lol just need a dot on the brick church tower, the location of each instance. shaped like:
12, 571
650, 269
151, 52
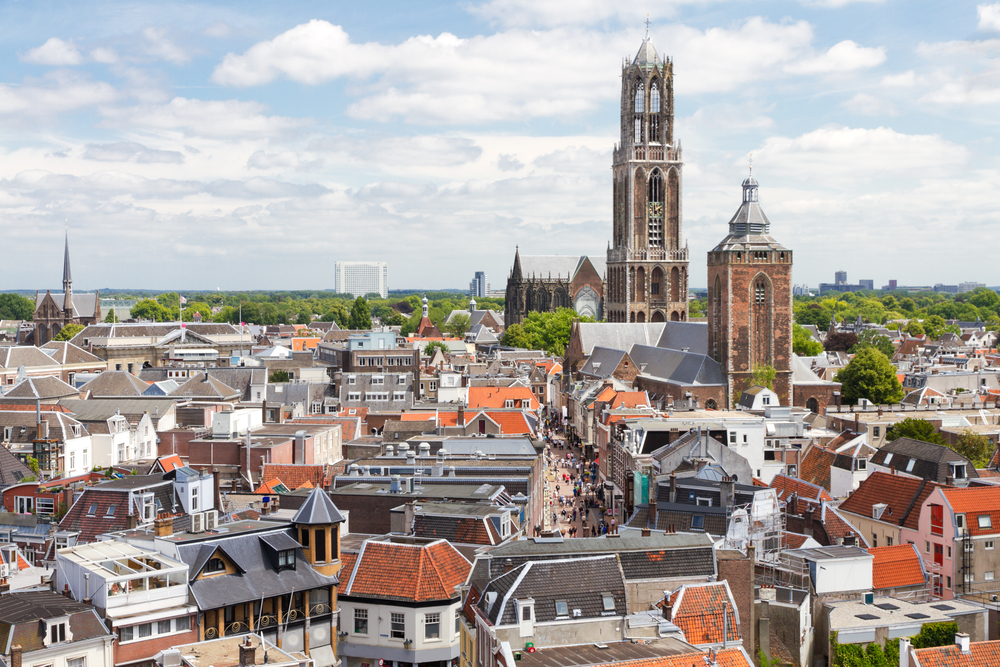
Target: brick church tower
647, 271
750, 301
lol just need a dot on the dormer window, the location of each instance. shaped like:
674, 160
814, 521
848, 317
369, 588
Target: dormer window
509, 403
286, 559
215, 565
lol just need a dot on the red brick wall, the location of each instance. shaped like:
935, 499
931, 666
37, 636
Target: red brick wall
733, 337
703, 394
822, 393
739, 573
177, 440
145, 650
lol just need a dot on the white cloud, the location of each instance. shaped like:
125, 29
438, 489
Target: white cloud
406, 151
442, 79
906, 79
836, 4
838, 155
219, 29
159, 46
54, 52
964, 72
56, 92
864, 104
207, 118
104, 55
846, 56
989, 17
509, 163
130, 151
283, 160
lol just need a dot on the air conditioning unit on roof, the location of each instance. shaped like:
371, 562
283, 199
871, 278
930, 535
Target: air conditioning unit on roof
198, 523
211, 519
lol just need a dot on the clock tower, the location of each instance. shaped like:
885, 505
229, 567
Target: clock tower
647, 272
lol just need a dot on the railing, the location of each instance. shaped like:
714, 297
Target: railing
320, 608
654, 152
293, 615
266, 621
237, 627
211, 632
651, 255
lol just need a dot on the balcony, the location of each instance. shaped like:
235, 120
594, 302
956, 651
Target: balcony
647, 153
650, 255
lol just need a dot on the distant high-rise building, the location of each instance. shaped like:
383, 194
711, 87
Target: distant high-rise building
866, 284
361, 278
892, 285
969, 287
479, 286
840, 278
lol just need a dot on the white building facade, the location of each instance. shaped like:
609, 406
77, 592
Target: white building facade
361, 278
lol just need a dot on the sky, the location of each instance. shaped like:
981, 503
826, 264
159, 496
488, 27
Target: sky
250, 145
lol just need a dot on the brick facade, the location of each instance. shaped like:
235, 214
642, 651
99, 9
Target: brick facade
712, 397
737, 569
815, 397
143, 651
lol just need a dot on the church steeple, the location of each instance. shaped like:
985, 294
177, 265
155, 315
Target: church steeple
67, 280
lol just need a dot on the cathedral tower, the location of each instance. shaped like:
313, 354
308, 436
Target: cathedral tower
750, 301
647, 269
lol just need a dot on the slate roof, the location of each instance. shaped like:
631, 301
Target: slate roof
318, 510
930, 461
64, 352
683, 368
98, 409
204, 385
903, 494
84, 304
418, 571
115, 383
239, 378
618, 335
45, 387
698, 610
579, 581
897, 566
680, 335
259, 576
602, 362
21, 611
12, 471
24, 428
12, 356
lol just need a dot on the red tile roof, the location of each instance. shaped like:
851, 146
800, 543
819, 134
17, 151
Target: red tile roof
981, 654
730, 657
903, 494
697, 609
296, 475
976, 501
630, 399
496, 397
815, 466
416, 417
896, 566
806, 494
411, 572
795, 540
26, 407
836, 526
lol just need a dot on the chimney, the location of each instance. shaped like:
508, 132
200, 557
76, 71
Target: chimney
43, 429
461, 413
15, 655
807, 523
163, 527
673, 488
764, 629
248, 652
962, 642
904, 652
645, 532
508, 565
727, 491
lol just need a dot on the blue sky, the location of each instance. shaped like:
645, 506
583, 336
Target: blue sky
250, 145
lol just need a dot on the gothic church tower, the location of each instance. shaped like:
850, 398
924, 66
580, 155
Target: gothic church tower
647, 272
750, 301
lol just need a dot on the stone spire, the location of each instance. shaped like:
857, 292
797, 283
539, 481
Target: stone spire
67, 281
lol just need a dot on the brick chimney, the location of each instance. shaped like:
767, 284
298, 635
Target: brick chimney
248, 652
163, 526
15, 655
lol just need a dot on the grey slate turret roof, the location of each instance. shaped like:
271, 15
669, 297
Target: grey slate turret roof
317, 510
749, 226
647, 54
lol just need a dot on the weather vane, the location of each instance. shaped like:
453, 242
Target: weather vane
751, 164
647, 25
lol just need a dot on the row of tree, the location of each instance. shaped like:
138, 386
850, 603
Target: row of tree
543, 331
980, 304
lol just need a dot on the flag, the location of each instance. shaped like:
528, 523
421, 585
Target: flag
183, 301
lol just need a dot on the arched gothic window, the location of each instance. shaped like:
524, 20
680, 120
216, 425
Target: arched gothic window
762, 324
637, 126
655, 209
640, 98
654, 98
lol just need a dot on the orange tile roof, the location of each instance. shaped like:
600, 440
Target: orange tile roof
815, 466
976, 501
296, 475
416, 417
836, 526
803, 491
697, 610
730, 657
903, 494
347, 559
795, 540
171, 462
511, 423
981, 654
630, 399
415, 573
496, 397
268, 486
26, 407
896, 566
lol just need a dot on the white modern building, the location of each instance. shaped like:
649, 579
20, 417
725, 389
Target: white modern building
361, 278
480, 286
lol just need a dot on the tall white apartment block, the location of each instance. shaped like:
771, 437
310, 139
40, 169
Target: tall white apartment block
360, 278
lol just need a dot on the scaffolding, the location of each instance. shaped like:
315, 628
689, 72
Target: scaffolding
761, 524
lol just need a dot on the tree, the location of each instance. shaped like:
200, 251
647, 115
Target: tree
278, 376
871, 338
763, 376
550, 331
516, 336
372, 296
68, 331
337, 313
361, 318
171, 302
303, 318
32, 464
993, 323
870, 375
200, 307
934, 326
457, 326
803, 344
435, 345
975, 447
111, 317
839, 342
148, 309
914, 328
915, 429
16, 307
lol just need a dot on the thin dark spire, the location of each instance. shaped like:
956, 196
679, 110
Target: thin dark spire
67, 273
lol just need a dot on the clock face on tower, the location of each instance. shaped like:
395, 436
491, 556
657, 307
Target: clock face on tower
656, 209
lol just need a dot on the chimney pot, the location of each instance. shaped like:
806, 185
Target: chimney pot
15, 655
248, 653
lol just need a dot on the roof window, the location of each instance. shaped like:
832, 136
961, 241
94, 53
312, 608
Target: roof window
609, 601
985, 521
562, 608
92, 511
